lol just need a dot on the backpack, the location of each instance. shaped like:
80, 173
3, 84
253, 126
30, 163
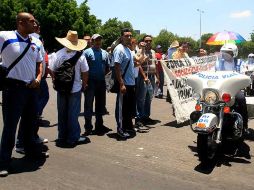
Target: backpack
65, 74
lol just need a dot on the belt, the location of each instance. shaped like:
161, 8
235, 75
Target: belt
15, 83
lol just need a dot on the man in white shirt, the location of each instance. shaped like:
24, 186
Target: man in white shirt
68, 104
43, 97
20, 93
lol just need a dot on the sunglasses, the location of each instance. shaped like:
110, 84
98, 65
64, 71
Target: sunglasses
128, 36
148, 40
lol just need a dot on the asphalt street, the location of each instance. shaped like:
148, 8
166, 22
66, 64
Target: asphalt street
162, 158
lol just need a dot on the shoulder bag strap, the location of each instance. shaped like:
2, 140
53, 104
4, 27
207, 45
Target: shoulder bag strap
125, 70
75, 58
20, 57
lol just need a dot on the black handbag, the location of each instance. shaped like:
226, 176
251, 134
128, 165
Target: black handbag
4, 71
65, 74
116, 86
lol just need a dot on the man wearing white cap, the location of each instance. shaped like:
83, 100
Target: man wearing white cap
98, 62
69, 101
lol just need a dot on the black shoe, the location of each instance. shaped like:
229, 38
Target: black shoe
88, 131
37, 155
4, 169
4, 172
123, 134
101, 130
81, 140
148, 121
20, 150
61, 143
130, 130
139, 126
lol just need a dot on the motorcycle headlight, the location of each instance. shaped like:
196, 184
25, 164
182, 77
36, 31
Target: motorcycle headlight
211, 97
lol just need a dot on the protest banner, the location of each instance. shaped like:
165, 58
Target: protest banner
175, 72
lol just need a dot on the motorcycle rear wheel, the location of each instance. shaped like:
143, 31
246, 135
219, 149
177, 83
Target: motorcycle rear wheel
206, 148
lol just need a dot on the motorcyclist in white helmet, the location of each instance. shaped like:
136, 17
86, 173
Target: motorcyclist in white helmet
228, 62
251, 59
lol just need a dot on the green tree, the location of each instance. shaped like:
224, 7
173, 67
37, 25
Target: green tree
9, 10
252, 36
55, 16
245, 49
165, 38
111, 30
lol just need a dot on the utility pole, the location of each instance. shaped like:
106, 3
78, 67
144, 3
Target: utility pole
200, 23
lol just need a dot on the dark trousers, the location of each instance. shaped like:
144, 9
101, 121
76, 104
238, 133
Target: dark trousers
125, 108
161, 73
240, 107
18, 102
96, 90
43, 97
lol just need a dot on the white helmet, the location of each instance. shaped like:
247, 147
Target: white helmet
230, 47
251, 55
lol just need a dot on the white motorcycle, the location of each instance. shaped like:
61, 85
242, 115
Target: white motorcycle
214, 120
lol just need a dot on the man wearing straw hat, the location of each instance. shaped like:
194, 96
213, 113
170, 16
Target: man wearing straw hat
173, 48
68, 104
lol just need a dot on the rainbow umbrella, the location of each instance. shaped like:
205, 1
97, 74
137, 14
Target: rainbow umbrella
221, 38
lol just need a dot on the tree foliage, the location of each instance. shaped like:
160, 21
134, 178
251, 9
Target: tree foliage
245, 49
56, 17
111, 30
252, 36
165, 38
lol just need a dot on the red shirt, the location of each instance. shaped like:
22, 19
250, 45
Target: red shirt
158, 65
47, 64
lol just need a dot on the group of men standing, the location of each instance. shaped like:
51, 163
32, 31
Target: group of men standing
24, 53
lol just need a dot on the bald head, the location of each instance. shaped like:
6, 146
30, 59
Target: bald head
25, 23
23, 16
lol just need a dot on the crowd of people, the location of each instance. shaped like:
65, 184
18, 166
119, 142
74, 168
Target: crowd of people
83, 64
25, 93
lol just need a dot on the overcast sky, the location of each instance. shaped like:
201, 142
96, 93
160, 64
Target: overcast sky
179, 16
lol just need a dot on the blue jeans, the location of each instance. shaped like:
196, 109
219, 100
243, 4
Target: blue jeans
18, 102
68, 107
43, 96
96, 90
144, 96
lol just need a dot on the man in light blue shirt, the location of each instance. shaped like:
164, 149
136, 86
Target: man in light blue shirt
125, 103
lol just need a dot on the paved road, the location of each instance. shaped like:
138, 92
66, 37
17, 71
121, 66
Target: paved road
164, 158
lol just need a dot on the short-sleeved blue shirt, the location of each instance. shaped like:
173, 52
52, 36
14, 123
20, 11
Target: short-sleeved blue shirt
122, 55
97, 60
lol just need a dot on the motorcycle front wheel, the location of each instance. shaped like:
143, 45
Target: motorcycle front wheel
206, 147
